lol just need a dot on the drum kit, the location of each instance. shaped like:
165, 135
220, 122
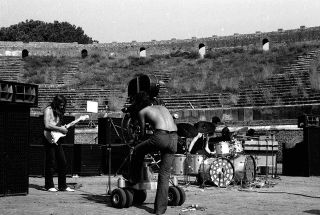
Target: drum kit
228, 165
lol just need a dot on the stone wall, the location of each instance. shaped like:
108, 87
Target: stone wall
244, 116
163, 47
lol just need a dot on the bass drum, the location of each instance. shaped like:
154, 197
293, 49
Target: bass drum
244, 169
218, 171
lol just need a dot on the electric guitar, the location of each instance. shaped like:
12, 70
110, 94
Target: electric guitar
54, 136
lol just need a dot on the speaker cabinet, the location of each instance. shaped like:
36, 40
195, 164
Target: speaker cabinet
14, 142
69, 153
109, 129
304, 158
312, 138
118, 155
36, 160
87, 159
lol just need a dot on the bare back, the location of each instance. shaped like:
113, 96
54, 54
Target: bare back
159, 117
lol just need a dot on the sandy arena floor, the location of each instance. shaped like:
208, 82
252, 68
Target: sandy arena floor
284, 195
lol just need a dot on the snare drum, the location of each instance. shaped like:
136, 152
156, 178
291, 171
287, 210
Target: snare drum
223, 148
193, 163
178, 164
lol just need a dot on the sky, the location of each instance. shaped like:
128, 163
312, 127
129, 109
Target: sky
145, 20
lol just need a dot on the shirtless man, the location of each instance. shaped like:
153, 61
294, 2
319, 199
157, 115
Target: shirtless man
163, 139
55, 156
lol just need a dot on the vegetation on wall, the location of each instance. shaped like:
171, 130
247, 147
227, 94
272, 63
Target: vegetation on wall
315, 74
39, 31
220, 71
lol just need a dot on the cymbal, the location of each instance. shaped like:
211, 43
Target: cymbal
205, 127
186, 130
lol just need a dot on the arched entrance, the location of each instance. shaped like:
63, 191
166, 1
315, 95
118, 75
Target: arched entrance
202, 50
265, 44
25, 53
143, 52
84, 53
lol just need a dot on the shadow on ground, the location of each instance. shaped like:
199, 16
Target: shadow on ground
37, 187
106, 200
317, 212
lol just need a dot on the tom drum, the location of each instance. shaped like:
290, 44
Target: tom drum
193, 163
223, 148
178, 164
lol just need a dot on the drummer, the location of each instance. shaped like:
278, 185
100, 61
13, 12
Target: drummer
205, 130
211, 142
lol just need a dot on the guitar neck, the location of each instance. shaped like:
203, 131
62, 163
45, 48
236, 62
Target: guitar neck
73, 123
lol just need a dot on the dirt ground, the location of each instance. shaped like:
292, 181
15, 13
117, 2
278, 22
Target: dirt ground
283, 195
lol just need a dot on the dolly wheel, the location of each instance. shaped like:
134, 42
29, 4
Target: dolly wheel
118, 198
129, 197
139, 196
182, 195
173, 196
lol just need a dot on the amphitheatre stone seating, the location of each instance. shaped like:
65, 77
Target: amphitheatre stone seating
68, 75
77, 98
290, 86
10, 68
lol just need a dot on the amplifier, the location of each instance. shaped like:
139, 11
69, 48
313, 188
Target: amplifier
87, 159
109, 129
306, 121
304, 158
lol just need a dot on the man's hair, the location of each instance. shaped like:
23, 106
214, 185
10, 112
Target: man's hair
215, 120
55, 105
225, 132
141, 100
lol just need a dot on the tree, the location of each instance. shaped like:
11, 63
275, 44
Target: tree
39, 31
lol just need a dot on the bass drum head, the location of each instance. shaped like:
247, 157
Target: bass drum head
250, 169
244, 168
221, 172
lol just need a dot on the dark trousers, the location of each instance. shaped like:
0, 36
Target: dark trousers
55, 160
167, 145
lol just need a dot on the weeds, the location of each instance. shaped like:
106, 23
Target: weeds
224, 70
315, 74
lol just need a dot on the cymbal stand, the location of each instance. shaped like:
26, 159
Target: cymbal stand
267, 170
275, 171
203, 180
186, 177
272, 163
109, 158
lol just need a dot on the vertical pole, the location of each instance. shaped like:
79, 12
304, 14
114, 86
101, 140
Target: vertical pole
267, 171
109, 155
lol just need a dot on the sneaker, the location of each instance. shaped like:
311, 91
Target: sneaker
68, 189
52, 189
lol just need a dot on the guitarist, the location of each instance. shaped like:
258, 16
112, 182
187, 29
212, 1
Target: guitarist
55, 157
